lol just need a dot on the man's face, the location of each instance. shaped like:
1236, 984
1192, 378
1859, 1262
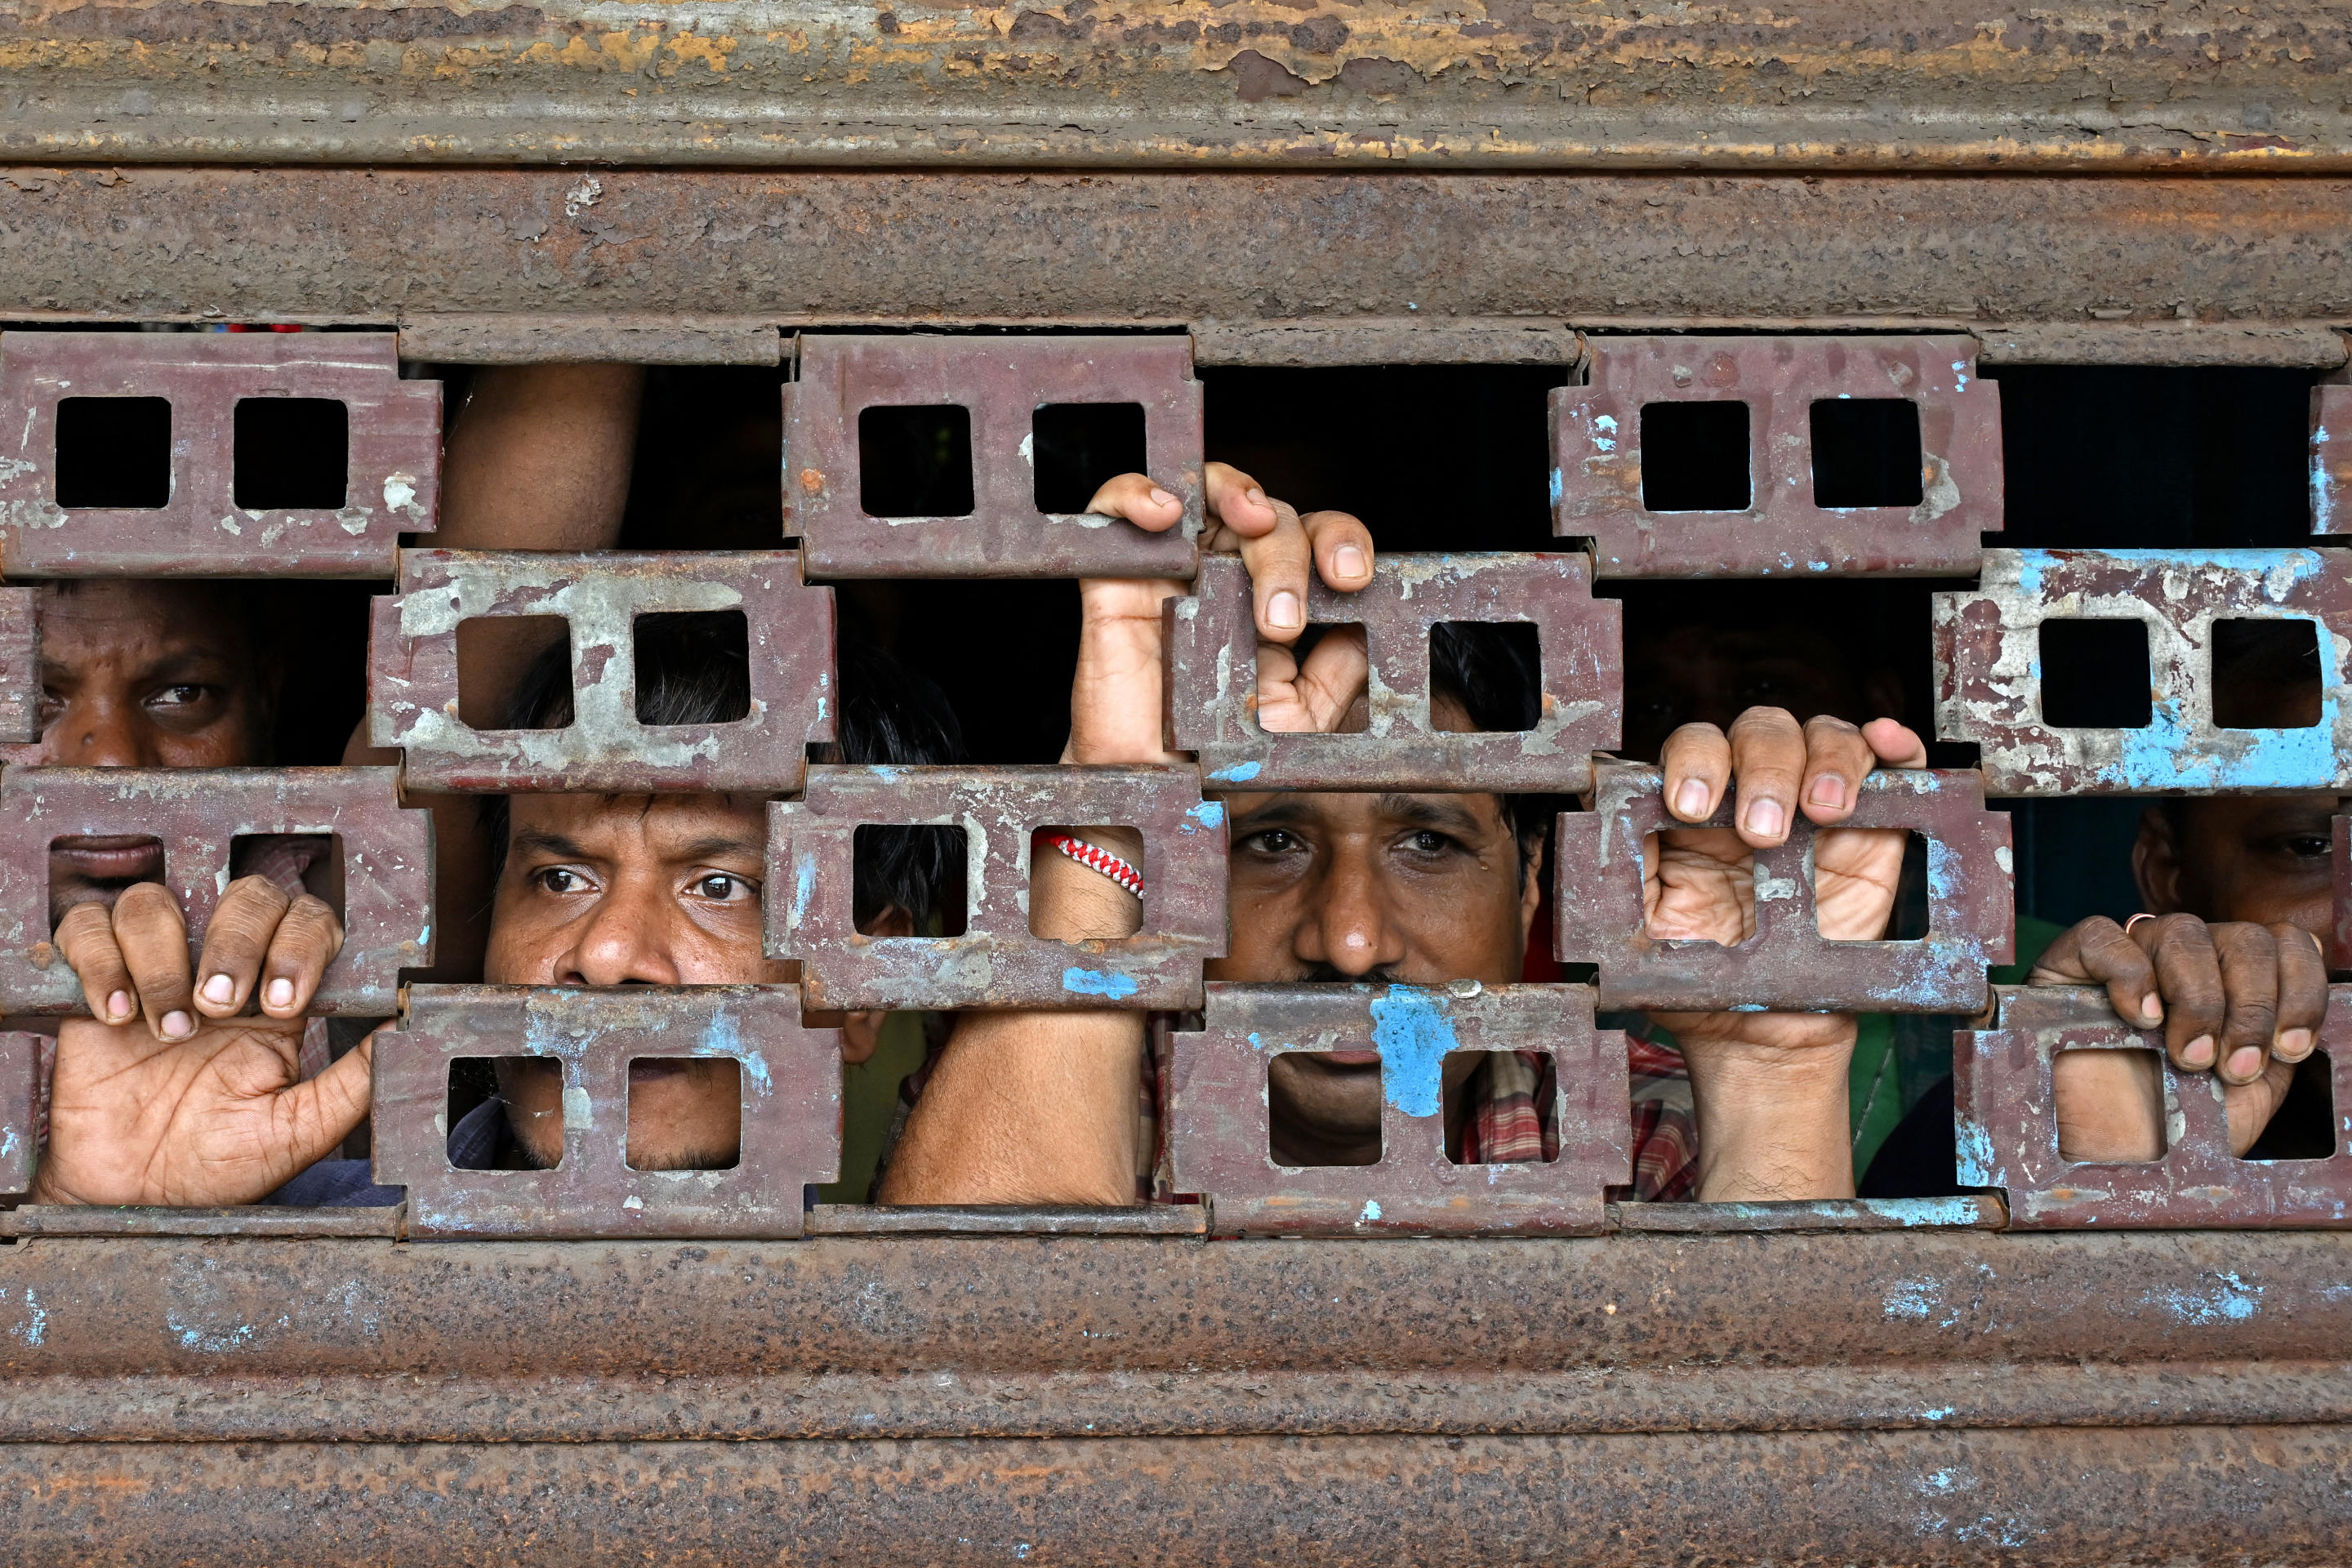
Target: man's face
140, 674
633, 890
2240, 858
1423, 889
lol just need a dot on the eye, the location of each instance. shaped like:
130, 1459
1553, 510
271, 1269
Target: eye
720, 888
178, 697
1429, 841
2310, 846
562, 879
1273, 841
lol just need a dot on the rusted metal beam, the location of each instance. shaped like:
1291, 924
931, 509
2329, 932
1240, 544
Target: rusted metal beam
1631, 252
1833, 84
2274, 1495
114, 1339
461, 339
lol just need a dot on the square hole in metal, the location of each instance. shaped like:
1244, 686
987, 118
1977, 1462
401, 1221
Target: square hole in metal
1075, 446
906, 868
1501, 1108
291, 453
1867, 452
293, 863
1856, 865
488, 1098
915, 460
2115, 1106
1694, 456
115, 452
1082, 849
1323, 1108
686, 1113
95, 871
714, 644
2304, 1127
2095, 675
1299, 685
491, 643
1486, 675
2265, 675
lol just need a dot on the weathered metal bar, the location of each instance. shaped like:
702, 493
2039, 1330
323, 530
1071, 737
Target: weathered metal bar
1972, 1213
2299, 345
1634, 252
1268, 84
1005, 1219
2009, 1134
790, 1132
392, 477
459, 338
253, 1221
1785, 962
198, 814
1610, 457
2331, 458
1411, 340
412, 674
997, 961
1001, 385
20, 665
1211, 656
904, 1337
1990, 679
2073, 1497
1219, 1115
20, 1110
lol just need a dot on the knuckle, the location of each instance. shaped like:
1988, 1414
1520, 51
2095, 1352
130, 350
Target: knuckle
1765, 721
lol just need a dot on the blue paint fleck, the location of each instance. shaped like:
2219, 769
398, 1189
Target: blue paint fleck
1410, 1031
1240, 773
1371, 1212
803, 889
1940, 1414
1911, 1299
1556, 486
1094, 983
2232, 1299
35, 1327
1208, 814
1976, 1168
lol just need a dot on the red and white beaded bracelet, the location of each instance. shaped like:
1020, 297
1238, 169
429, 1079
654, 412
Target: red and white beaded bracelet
1095, 858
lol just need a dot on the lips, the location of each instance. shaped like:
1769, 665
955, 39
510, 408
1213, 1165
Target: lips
111, 859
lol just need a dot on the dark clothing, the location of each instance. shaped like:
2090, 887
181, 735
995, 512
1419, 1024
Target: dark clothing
480, 1141
1920, 1158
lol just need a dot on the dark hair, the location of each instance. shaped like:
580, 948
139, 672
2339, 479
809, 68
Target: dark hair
695, 669
1491, 672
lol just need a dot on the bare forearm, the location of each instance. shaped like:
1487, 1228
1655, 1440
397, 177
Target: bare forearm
1773, 1119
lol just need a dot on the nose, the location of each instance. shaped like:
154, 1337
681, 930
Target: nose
622, 942
1347, 925
99, 734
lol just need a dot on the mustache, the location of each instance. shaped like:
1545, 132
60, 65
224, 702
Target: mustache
1328, 974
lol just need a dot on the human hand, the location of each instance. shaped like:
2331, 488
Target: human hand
1115, 699
133, 959
2240, 1000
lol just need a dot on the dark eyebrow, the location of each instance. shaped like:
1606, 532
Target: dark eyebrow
1440, 811
539, 841
1281, 810
718, 844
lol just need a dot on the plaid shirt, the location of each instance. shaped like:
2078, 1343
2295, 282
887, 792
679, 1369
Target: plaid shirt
1505, 1126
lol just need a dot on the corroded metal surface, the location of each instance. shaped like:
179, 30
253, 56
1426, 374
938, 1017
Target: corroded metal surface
1832, 85
20, 665
1218, 1111
1000, 383
2331, 458
905, 1337
1785, 964
1971, 1212
261, 1220
2003, 1103
1639, 253
2058, 1498
412, 670
1211, 654
1600, 458
1989, 669
1005, 1219
791, 1129
392, 480
997, 962
463, 337
2339, 950
198, 813
20, 1109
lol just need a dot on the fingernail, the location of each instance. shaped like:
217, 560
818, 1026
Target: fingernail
177, 1025
118, 1006
2245, 1062
1162, 497
2200, 1052
1764, 818
1347, 561
2294, 1043
281, 993
1829, 790
1254, 496
1282, 610
1690, 800
219, 988
2151, 1007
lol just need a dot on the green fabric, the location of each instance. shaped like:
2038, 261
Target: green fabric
1886, 1080
869, 1101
